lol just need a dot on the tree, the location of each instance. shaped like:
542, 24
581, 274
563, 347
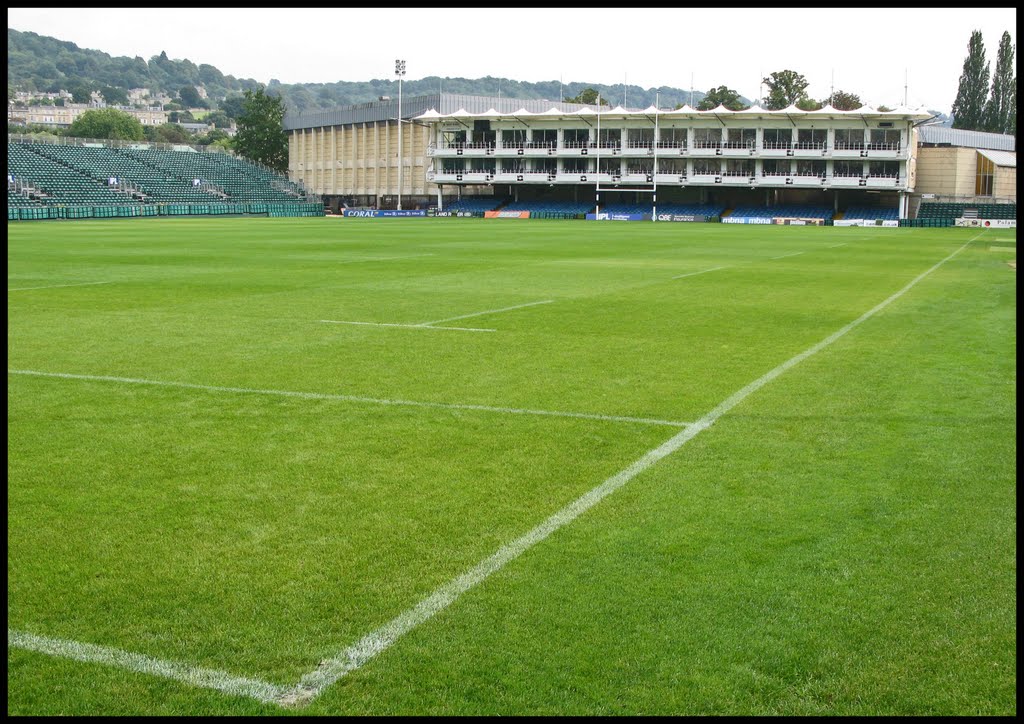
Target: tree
167, 133
233, 106
721, 96
190, 97
211, 136
996, 116
107, 123
588, 96
114, 96
843, 101
785, 88
218, 119
261, 135
80, 91
970, 96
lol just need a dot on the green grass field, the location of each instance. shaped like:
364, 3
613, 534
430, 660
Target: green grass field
216, 482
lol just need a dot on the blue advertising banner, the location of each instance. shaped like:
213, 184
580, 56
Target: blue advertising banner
377, 213
681, 217
604, 216
745, 220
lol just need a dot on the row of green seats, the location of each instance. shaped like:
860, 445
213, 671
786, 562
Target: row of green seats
109, 212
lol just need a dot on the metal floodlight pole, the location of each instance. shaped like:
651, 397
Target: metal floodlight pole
597, 175
654, 175
400, 71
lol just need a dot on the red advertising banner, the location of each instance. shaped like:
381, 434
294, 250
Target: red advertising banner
506, 214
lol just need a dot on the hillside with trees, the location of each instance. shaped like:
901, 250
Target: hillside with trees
43, 64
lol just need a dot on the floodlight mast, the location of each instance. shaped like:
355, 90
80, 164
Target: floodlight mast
400, 71
654, 175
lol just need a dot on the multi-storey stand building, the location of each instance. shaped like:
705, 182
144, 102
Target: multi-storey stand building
471, 145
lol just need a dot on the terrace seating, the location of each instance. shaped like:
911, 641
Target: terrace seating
62, 184
103, 163
557, 208
872, 213
947, 210
241, 181
475, 204
79, 175
794, 211
708, 210
15, 199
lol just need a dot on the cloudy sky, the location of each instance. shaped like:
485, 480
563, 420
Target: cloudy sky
869, 51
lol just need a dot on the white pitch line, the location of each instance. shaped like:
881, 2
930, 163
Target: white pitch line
329, 671
835, 245
352, 398
795, 253
407, 326
206, 678
489, 311
313, 684
693, 274
54, 286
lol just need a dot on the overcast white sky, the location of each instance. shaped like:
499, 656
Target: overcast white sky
866, 51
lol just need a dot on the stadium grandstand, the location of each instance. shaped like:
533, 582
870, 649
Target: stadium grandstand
474, 155
80, 178
484, 156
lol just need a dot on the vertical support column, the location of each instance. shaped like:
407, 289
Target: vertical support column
314, 161
376, 164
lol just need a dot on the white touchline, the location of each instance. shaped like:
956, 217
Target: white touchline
489, 311
835, 245
312, 684
350, 398
693, 274
329, 671
207, 678
407, 326
54, 286
795, 253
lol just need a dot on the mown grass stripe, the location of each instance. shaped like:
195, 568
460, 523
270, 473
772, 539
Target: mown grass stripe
56, 286
376, 642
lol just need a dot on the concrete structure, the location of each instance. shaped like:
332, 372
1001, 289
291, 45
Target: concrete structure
64, 116
479, 145
457, 145
962, 165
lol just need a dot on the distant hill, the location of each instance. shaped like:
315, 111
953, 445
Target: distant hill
40, 63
